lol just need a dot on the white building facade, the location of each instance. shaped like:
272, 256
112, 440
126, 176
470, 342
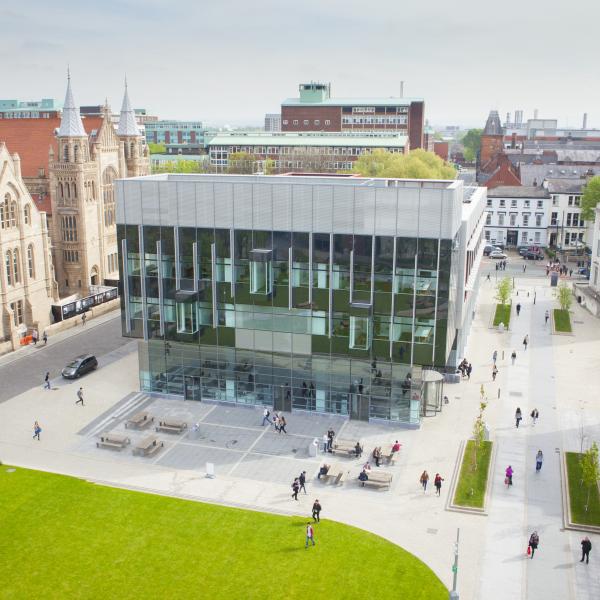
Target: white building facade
566, 228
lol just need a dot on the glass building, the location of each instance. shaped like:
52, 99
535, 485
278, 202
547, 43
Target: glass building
327, 294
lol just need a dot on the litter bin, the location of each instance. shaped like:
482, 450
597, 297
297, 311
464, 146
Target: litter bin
578, 299
553, 279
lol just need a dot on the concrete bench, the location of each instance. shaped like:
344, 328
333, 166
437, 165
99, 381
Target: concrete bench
343, 447
113, 440
148, 446
171, 426
378, 479
140, 420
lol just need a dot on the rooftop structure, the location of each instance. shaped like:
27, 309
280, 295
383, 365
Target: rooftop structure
29, 109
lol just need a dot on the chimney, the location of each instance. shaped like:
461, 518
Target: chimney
584, 121
17, 164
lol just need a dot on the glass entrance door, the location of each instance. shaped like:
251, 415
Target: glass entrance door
192, 388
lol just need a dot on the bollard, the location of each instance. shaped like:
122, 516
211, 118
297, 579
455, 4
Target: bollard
498, 392
502, 354
528, 294
534, 296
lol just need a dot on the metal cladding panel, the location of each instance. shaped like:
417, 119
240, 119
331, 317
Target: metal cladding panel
430, 212
150, 203
364, 210
385, 211
408, 211
452, 210
205, 204
224, 205
186, 203
167, 202
242, 205
302, 207
120, 196
343, 210
262, 206
322, 213
282, 207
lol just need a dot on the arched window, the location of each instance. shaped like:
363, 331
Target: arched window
16, 272
30, 261
8, 263
66, 153
2, 213
93, 191
27, 214
75, 152
13, 214
67, 190
61, 193
131, 154
74, 190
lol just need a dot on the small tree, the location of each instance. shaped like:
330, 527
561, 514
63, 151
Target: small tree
564, 296
590, 470
503, 290
590, 198
478, 432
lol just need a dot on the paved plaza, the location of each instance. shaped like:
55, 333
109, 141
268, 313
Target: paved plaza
254, 466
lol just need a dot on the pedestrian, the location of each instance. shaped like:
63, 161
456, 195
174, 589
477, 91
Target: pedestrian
495, 356
496, 265
45, 338
539, 458
534, 415
330, 436
423, 480
302, 481
546, 317
488, 277
437, 482
266, 415
494, 373
79, 396
534, 541
361, 386
508, 476
513, 357
47, 381
358, 450
377, 455
469, 369
586, 546
304, 389
276, 421
311, 390
310, 535
83, 319
525, 341
295, 488
34, 337
570, 272
282, 424
36, 431
518, 417
316, 511
524, 268
518, 309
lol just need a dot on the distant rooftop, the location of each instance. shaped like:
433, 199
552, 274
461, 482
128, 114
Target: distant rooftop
518, 191
391, 101
565, 186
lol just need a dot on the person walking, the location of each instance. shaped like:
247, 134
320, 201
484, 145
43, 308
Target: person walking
310, 535
316, 511
282, 424
494, 373
83, 319
266, 415
508, 475
518, 417
79, 396
525, 341
513, 357
534, 416
330, 436
469, 369
586, 547
276, 421
47, 381
295, 488
302, 481
424, 480
34, 337
488, 277
495, 356
524, 268
546, 317
437, 482
45, 338
36, 431
539, 458
534, 541
518, 309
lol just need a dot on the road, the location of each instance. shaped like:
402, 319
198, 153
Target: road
25, 369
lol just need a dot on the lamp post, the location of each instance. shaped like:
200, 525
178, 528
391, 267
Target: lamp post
454, 594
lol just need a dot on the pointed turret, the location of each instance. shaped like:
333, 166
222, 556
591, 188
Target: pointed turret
127, 122
70, 124
493, 126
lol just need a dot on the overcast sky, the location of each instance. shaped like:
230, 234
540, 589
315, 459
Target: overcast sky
230, 61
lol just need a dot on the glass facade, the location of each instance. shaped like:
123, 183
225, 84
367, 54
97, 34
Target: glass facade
325, 322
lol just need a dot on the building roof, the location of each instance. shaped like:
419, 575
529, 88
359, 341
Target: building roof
493, 126
518, 191
127, 123
298, 139
31, 139
565, 186
537, 173
70, 123
391, 101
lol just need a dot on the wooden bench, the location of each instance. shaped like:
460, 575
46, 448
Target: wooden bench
171, 426
388, 455
113, 440
336, 474
344, 447
148, 446
140, 420
378, 479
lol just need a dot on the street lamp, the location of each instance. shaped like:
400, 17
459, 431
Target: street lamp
454, 594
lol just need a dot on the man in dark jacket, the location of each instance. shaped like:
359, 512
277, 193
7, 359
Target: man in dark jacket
534, 541
316, 511
586, 546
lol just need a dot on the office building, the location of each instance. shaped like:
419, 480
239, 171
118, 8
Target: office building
46, 108
272, 122
180, 137
321, 294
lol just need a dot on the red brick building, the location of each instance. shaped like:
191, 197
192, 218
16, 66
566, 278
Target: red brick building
316, 110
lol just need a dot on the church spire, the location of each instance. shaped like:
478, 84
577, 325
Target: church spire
70, 124
127, 122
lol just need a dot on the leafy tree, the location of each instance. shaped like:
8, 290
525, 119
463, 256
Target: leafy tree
182, 166
417, 164
471, 142
157, 148
564, 296
503, 290
590, 198
590, 470
478, 432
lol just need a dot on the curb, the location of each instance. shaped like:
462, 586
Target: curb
565, 333
566, 501
493, 314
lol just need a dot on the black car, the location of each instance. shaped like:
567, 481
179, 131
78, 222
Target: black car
529, 255
80, 366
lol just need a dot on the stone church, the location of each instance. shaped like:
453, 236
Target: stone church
82, 170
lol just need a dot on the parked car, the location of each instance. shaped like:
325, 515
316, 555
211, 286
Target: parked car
522, 250
488, 248
79, 366
498, 254
532, 255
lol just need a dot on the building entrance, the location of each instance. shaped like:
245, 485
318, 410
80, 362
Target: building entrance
512, 237
192, 388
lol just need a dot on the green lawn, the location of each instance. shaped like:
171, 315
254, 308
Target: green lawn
562, 320
470, 490
502, 315
578, 494
62, 537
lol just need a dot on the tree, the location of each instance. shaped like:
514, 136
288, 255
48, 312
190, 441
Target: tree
471, 142
590, 198
244, 163
157, 148
564, 296
590, 470
478, 432
503, 290
182, 166
417, 164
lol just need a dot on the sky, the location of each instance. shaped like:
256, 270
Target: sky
228, 61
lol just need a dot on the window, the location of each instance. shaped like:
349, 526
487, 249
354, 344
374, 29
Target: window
16, 270
554, 200
523, 237
502, 202
488, 219
261, 277
525, 220
576, 201
187, 318
69, 228
359, 333
538, 220
8, 263
489, 202
526, 203
513, 203
537, 237
13, 214
285, 121
295, 121
540, 204
317, 122
513, 219
327, 122
17, 308
30, 261
27, 215
569, 215
306, 121
487, 235
501, 219
71, 256
554, 218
